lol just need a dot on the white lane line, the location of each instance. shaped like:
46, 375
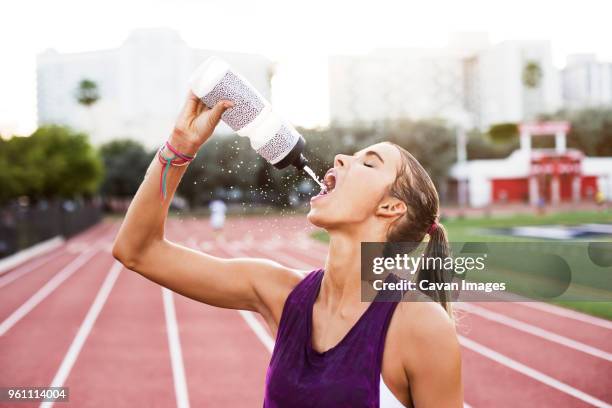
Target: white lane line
10, 262
259, 329
530, 372
570, 314
84, 330
535, 331
21, 271
47, 289
517, 299
176, 355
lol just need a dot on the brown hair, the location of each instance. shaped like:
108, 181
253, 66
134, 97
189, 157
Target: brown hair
416, 189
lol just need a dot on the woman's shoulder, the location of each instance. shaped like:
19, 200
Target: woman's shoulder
421, 347
427, 333
422, 318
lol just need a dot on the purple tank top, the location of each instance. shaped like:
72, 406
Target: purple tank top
347, 375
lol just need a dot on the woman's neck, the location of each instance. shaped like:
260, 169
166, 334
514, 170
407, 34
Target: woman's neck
341, 284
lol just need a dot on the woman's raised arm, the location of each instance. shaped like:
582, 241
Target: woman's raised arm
244, 283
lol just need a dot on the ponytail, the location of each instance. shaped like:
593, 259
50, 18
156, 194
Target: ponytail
414, 187
437, 250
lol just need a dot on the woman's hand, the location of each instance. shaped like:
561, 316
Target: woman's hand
196, 123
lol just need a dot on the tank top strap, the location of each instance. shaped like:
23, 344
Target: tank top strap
386, 309
378, 320
297, 303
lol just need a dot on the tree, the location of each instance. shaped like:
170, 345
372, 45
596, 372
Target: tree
126, 163
53, 162
431, 142
70, 164
87, 92
591, 130
503, 133
532, 78
16, 176
532, 74
481, 146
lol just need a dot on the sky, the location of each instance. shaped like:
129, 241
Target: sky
297, 34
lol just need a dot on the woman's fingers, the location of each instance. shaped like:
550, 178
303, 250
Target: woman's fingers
191, 104
199, 120
214, 116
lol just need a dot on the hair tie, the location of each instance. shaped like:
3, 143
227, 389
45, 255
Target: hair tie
432, 228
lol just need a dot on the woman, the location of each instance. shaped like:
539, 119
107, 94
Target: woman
332, 350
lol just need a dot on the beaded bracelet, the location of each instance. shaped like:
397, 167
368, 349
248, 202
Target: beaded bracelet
184, 159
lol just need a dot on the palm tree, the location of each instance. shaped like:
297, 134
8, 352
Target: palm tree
532, 79
87, 94
532, 74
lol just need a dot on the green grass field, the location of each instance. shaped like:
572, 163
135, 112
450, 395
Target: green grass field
479, 230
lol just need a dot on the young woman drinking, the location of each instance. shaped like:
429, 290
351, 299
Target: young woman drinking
332, 349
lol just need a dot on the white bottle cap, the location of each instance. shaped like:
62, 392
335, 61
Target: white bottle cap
207, 75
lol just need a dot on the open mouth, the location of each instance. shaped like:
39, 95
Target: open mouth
329, 182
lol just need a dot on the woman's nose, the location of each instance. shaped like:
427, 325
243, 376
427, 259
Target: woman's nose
340, 160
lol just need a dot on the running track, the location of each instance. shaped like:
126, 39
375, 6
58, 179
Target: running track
75, 317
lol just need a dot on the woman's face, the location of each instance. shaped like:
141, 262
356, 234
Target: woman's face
356, 185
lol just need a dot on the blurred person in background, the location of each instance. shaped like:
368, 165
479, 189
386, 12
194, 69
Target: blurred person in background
217, 214
600, 199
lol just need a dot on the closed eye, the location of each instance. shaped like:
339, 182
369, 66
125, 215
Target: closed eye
367, 155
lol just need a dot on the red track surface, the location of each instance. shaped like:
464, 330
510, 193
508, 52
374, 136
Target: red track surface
126, 359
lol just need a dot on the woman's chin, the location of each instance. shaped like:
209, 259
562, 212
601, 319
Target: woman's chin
315, 217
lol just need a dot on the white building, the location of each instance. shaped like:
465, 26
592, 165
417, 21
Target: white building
500, 82
503, 181
586, 82
392, 84
535, 176
470, 76
142, 85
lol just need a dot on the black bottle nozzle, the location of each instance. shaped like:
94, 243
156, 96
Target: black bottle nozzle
301, 162
294, 157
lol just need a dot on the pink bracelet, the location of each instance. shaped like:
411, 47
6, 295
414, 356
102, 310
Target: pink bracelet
179, 154
167, 162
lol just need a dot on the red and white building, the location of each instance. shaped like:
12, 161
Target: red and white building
535, 175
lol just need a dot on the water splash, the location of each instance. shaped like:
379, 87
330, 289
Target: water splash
312, 174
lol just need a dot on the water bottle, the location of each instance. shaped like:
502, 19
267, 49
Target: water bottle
252, 116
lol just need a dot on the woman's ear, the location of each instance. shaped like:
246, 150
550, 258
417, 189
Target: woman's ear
391, 207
